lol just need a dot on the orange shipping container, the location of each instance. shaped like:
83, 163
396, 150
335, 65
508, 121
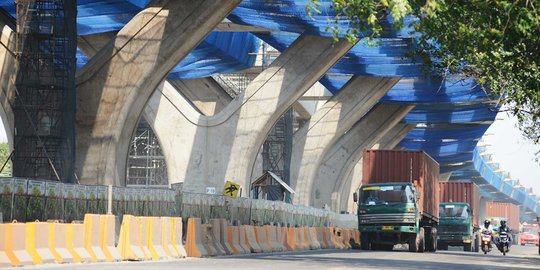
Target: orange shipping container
387, 166
467, 192
506, 210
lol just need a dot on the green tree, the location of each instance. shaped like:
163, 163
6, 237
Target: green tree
497, 42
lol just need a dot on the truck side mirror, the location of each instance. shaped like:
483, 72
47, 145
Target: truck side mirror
355, 197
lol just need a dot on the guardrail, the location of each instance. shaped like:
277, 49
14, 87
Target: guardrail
27, 200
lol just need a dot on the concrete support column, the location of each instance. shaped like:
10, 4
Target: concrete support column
334, 118
331, 182
114, 86
8, 73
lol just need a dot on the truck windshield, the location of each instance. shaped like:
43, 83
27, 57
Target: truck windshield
453, 211
377, 195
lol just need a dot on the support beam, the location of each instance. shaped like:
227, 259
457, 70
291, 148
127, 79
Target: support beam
444, 177
327, 125
234, 27
332, 181
205, 94
114, 86
394, 136
301, 110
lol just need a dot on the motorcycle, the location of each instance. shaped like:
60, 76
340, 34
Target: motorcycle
503, 243
486, 241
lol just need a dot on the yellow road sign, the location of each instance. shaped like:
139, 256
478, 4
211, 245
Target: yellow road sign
231, 189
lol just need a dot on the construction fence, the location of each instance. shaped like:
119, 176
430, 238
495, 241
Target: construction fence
27, 200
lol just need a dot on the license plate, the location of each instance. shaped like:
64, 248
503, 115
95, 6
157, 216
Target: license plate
387, 228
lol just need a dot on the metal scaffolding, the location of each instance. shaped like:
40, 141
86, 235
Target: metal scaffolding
44, 99
146, 163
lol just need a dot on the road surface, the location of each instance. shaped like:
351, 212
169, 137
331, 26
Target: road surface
519, 258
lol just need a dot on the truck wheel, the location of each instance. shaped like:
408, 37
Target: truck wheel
364, 241
422, 245
476, 243
467, 247
431, 240
415, 241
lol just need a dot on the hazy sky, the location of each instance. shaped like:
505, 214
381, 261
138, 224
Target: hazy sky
514, 153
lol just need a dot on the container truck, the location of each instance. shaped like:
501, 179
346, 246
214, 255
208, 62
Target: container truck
398, 201
458, 215
498, 210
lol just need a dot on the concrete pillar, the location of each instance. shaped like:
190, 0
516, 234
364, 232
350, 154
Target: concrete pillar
7, 80
332, 184
444, 177
333, 119
394, 136
114, 86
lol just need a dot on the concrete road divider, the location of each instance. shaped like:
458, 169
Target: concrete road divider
242, 240
154, 238
130, 242
251, 239
233, 238
220, 231
309, 241
37, 242
284, 237
262, 239
292, 238
301, 241
75, 243
346, 233
58, 243
15, 244
210, 241
4, 259
107, 238
92, 237
273, 238
194, 241
167, 235
335, 238
144, 237
320, 237
313, 238
356, 234
177, 237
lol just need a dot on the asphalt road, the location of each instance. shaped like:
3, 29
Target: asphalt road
519, 258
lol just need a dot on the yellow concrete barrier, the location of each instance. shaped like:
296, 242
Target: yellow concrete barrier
321, 238
177, 231
107, 238
284, 237
167, 235
15, 244
58, 243
313, 238
194, 241
130, 242
292, 237
4, 259
154, 238
75, 243
251, 239
92, 237
242, 240
262, 239
219, 229
37, 242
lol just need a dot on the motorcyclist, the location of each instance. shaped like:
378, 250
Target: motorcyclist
488, 229
505, 228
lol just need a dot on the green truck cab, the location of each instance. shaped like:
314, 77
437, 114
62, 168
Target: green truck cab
389, 214
456, 227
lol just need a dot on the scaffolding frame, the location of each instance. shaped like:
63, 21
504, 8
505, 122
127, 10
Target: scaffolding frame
44, 98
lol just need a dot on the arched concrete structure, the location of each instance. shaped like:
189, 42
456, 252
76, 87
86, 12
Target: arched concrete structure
8, 71
327, 125
114, 86
337, 163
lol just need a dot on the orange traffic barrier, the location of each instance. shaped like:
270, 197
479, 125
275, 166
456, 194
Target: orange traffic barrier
307, 239
233, 238
194, 241
262, 239
346, 237
301, 241
313, 238
284, 238
275, 242
292, 237
356, 239
177, 237
92, 237
338, 236
75, 243
107, 238
167, 235
220, 231
242, 239
15, 244
58, 243
130, 242
251, 239
4, 259
321, 238
328, 238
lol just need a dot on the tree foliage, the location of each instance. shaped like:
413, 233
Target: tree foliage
497, 42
